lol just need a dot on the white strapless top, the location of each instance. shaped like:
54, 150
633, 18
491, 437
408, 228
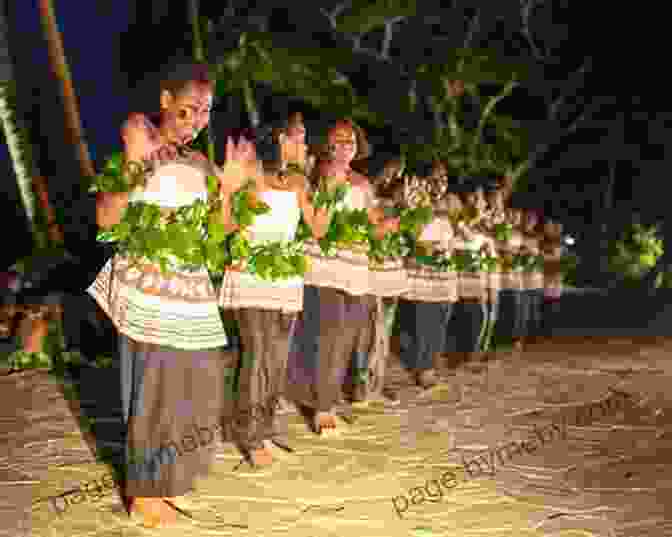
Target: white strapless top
281, 222
438, 230
173, 185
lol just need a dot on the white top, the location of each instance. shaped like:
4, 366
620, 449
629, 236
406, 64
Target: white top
280, 224
183, 313
438, 230
173, 185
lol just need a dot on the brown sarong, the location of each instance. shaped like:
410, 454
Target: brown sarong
262, 374
173, 406
388, 278
340, 326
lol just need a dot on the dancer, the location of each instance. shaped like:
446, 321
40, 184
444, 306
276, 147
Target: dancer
552, 250
169, 326
470, 314
264, 308
338, 309
292, 140
533, 275
519, 319
426, 308
497, 229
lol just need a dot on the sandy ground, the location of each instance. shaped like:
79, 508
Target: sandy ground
397, 470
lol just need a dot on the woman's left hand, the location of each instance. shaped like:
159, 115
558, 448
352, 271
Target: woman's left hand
236, 168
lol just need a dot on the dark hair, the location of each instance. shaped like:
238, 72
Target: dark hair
179, 75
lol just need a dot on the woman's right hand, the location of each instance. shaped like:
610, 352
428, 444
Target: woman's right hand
109, 207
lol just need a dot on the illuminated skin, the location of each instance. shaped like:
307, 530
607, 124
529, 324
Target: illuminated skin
184, 115
296, 131
343, 146
293, 141
342, 142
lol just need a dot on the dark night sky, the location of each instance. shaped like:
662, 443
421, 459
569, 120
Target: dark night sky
97, 49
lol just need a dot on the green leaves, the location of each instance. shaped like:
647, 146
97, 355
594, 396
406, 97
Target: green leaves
118, 175
244, 206
467, 261
330, 198
636, 251
269, 260
528, 263
438, 261
277, 260
170, 238
413, 220
503, 231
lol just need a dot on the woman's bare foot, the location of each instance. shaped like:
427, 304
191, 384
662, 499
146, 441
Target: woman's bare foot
152, 512
180, 503
325, 422
261, 457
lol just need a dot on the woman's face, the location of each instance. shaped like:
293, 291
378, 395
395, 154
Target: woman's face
296, 131
184, 115
344, 146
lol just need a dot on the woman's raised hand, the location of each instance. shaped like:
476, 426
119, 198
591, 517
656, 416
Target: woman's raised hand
237, 169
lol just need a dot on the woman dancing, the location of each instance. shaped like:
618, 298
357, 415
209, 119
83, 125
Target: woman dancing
265, 309
171, 334
338, 309
426, 308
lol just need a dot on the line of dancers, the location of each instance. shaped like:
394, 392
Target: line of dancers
304, 339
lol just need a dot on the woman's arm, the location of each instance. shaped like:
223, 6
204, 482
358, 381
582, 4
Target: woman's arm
137, 144
317, 219
375, 211
233, 176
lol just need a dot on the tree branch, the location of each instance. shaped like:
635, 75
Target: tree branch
526, 7
576, 80
471, 32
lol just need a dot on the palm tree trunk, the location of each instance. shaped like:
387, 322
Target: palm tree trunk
32, 187
61, 71
16, 142
199, 55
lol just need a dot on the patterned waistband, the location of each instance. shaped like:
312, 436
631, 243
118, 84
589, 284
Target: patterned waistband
240, 290
182, 313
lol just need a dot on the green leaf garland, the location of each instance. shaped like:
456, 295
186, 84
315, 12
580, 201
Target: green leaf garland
119, 175
503, 231
271, 260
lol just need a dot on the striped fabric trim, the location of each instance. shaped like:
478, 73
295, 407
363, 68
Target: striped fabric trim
183, 324
533, 280
348, 270
388, 279
428, 285
494, 285
472, 286
241, 290
511, 280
